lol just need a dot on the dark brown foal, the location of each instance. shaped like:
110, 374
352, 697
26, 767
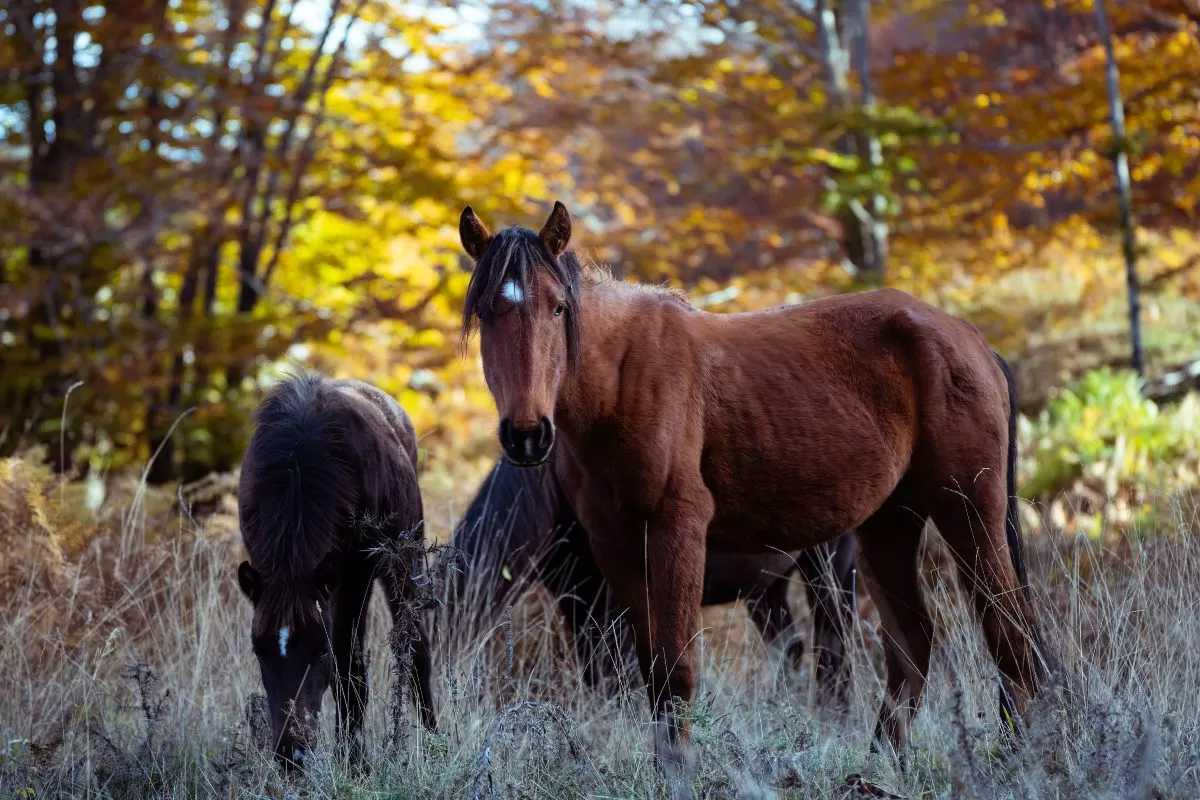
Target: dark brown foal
330, 475
690, 433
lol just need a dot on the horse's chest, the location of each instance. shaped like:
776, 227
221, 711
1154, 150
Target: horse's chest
607, 486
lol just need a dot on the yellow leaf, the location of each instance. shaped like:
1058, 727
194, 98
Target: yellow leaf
541, 85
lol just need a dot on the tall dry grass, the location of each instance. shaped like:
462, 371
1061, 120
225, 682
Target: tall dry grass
126, 672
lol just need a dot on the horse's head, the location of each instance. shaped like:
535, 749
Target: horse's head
524, 294
291, 639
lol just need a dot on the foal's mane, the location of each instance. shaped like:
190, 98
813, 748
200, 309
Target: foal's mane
298, 489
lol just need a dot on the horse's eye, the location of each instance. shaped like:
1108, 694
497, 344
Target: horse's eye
558, 311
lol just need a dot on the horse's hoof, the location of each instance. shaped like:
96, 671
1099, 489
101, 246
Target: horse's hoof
794, 654
675, 760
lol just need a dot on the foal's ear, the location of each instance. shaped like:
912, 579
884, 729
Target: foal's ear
473, 233
326, 575
556, 233
250, 581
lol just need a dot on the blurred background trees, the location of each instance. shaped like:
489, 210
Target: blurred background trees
193, 190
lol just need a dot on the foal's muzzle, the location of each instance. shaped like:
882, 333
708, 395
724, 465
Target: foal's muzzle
527, 445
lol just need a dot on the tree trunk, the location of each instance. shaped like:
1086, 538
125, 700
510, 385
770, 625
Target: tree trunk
860, 242
159, 411
872, 216
51, 169
1124, 193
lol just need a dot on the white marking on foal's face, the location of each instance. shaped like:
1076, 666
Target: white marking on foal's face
512, 292
284, 633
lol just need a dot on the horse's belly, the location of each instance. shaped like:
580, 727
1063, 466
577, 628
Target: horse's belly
790, 504
758, 533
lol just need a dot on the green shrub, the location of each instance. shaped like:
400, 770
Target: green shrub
1104, 432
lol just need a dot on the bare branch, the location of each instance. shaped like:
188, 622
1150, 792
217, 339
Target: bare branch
307, 151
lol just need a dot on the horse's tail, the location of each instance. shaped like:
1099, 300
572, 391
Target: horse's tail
1016, 545
1045, 662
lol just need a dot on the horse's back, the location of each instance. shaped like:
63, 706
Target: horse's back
396, 418
832, 401
379, 442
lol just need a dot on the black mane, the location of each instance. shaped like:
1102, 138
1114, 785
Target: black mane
296, 486
518, 504
517, 254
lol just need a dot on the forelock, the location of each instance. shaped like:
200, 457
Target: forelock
285, 605
510, 265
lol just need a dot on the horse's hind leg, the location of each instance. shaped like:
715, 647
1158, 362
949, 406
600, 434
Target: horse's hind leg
889, 543
972, 521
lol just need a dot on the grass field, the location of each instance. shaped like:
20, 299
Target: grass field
126, 672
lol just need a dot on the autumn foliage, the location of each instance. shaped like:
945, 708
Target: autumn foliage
193, 192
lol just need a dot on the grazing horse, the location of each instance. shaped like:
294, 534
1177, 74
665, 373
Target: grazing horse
520, 530
689, 432
329, 475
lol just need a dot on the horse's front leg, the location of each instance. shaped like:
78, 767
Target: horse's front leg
349, 635
664, 594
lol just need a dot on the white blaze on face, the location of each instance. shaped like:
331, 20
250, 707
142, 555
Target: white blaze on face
512, 292
284, 633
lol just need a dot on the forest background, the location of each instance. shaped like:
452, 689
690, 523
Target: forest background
193, 192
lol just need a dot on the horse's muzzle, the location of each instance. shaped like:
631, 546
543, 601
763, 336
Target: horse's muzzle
527, 445
292, 756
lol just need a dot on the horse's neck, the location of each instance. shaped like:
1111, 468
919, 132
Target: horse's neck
610, 313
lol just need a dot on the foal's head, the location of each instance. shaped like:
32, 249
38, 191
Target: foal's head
524, 293
291, 639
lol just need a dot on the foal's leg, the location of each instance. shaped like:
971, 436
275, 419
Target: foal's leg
890, 546
349, 635
829, 577
972, 521
772, 616
420, 669
570, 573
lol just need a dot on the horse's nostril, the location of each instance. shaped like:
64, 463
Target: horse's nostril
545, 434
506, 433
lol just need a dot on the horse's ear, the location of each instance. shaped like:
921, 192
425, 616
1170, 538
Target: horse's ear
250, 581
556, 233
473, 232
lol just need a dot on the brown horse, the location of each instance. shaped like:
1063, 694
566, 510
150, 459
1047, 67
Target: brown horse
329, 475
689, 432
520, 530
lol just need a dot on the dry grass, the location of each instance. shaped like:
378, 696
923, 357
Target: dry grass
126, 672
